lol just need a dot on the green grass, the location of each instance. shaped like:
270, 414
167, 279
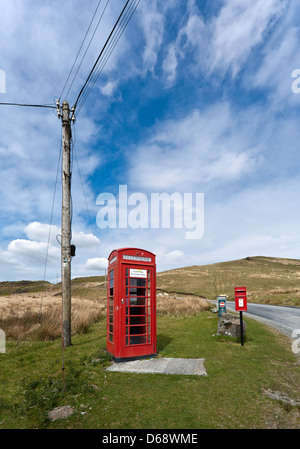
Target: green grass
231, 396
269, 280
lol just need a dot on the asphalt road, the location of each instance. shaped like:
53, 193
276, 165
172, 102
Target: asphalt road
285, 319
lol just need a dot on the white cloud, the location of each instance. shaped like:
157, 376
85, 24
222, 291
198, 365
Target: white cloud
200, 148
83, 240
40, 232
32, 252
29, 255
274, 75
96, 264
109, 88
219, 149
153, 25
257, 220
238, 28
170, 65
224, 42
175, 256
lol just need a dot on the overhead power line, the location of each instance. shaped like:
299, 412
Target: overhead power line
111, 42
50, 227
108, 51
109, 45
94, 66
81, 46
29, 105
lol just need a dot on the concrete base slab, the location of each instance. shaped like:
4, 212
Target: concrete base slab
162, 366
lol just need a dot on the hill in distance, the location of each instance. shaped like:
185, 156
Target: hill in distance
269, 280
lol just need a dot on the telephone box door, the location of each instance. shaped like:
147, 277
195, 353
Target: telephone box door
138, 314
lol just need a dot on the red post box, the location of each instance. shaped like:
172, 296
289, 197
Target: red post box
131, 304
240, 299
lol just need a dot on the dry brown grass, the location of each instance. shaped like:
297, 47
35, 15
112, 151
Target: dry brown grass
180, 305
38, 316
33, 316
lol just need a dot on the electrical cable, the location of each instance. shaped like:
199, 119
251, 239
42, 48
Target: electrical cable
49, 233
100, 54
81, 181
109, 49
82, 59
80, 49
29, 105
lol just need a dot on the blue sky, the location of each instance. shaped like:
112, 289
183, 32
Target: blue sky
196, 98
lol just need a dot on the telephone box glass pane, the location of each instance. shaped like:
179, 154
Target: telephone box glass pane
138, 339
136, 282
138, 319
138, 301
137, 330
139, 310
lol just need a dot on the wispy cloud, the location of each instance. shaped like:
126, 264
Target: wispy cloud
195, 98
222, 43
240, 26
199, 149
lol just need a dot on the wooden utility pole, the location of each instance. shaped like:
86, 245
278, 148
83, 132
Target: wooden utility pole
66, 225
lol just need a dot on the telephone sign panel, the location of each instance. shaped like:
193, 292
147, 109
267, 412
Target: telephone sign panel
240, 299
131, 304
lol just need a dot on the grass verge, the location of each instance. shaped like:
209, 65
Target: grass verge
231, 396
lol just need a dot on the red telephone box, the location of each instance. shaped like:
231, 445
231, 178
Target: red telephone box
240, 299
131, 304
